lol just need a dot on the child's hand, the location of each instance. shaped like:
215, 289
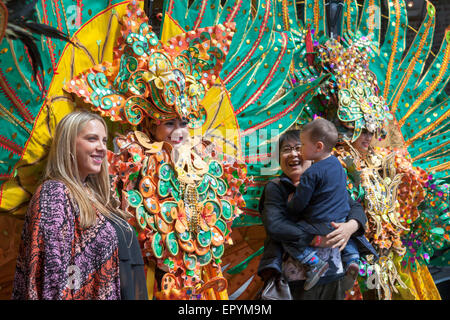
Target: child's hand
296, 175
305, 165
322, 242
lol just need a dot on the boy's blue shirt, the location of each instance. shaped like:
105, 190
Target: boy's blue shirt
321, 195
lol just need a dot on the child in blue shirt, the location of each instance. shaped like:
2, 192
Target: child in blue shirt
321, 197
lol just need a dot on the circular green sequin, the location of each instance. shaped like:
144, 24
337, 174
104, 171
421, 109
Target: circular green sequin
165, 172
221, 187
211, 180
203, 186
134, 198
217, 210
215, 169
204, 238
164, 188
222, 226
175, 191
217, 252
166, 207
141, 216
227, 210
210, 193
172, 244
205, 259
157, 245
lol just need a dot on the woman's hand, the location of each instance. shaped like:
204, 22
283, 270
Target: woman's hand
339, 237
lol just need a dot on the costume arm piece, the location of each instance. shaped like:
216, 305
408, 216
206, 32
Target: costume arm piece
273, 213
302, 196
125, 165
42, 270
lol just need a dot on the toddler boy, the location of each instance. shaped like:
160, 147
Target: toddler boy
321, 197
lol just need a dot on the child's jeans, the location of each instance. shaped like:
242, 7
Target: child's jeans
303, 252
348, 254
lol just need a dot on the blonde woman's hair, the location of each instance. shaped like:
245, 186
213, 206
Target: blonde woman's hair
62, 166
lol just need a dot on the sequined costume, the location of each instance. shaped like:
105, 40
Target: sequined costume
392, 190
182, 205
183, 216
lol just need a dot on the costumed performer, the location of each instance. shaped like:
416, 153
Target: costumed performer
373, 175
182, 193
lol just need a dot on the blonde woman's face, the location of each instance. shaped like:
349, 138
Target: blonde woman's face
91, 148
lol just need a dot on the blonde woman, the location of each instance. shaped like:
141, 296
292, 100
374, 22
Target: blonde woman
75, 243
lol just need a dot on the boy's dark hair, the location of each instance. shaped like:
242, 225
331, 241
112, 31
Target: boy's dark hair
290, 135
322, 130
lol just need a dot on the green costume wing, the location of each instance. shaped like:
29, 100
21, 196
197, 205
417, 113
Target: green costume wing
30, 107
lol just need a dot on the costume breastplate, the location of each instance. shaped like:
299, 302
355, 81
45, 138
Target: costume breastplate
182, 205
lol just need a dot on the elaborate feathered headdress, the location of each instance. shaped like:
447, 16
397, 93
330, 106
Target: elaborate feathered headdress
17, 23
150, 79
360, 105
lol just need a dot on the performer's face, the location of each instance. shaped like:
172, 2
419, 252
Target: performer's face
173, 131
91, 148
363, 142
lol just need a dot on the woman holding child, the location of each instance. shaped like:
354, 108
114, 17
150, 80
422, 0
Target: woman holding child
283, 234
